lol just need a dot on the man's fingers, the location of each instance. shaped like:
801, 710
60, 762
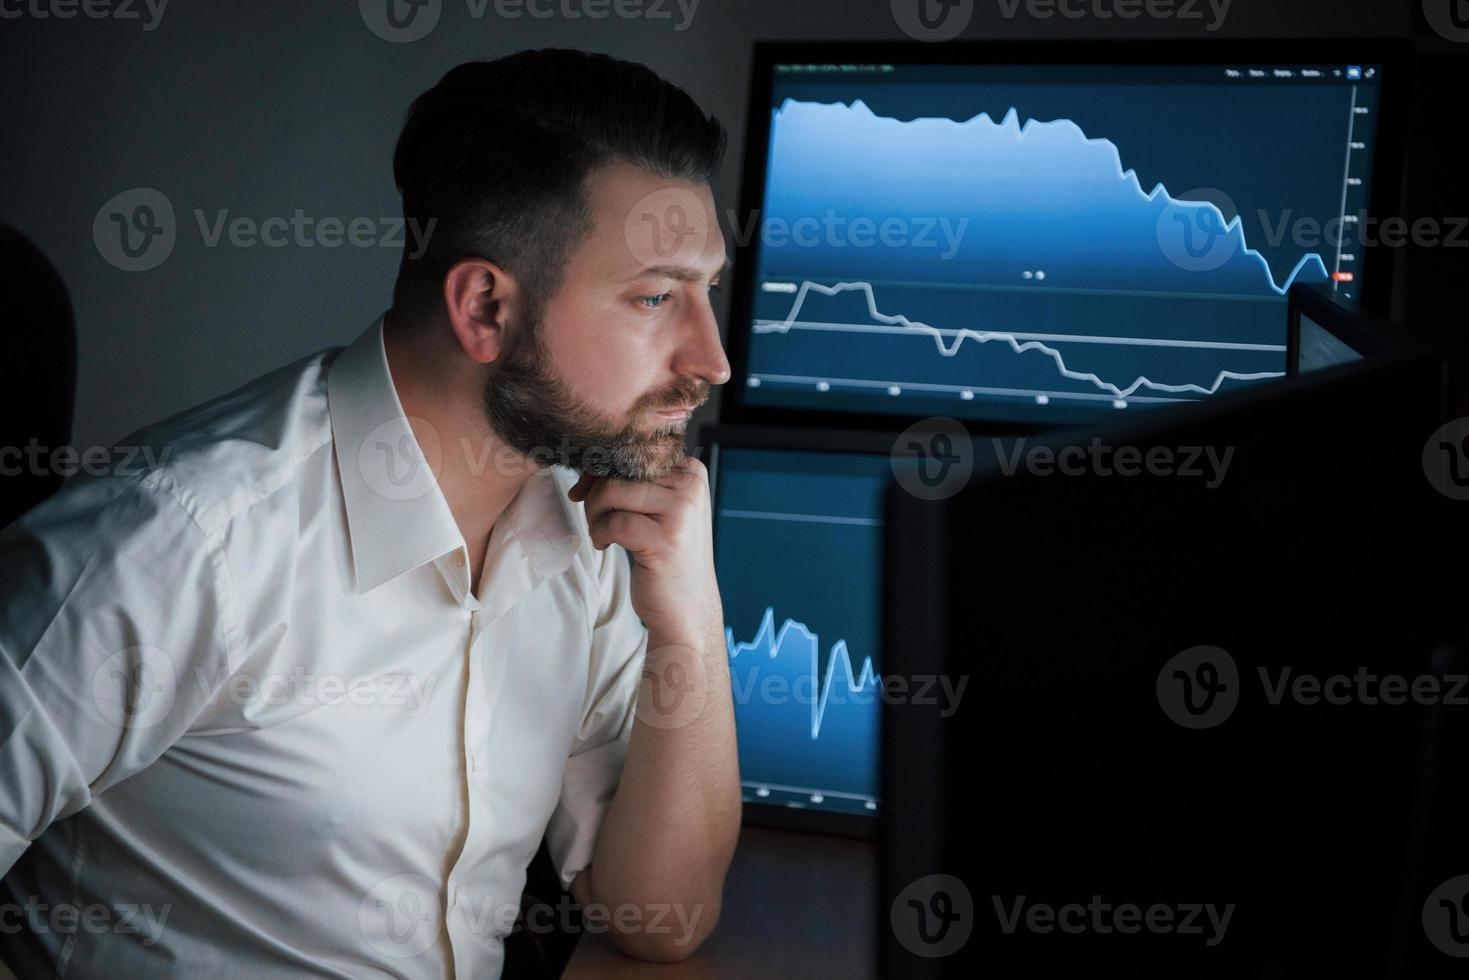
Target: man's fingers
635, 532
688, 473
652, 499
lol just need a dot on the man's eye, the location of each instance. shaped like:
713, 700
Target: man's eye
715, 287
653, 302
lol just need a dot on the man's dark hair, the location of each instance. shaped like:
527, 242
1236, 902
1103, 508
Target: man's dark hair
497, 154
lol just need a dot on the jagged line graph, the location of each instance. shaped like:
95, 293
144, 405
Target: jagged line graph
1127, 175
984, 336
768, 639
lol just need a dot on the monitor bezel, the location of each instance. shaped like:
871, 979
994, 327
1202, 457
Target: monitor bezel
1368, 334
1393, 55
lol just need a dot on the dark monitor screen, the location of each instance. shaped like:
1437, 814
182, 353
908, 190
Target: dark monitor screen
1186, 685
1033, 240
798, 553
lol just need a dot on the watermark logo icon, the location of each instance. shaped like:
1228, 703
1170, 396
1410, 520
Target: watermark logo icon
1450, 18
933, 459
668, 227
1199, 688
398, 462
933, 20
674, 687
1446, 459
135, 687
399, 917
1446, 917
400, 21
933, 916
136, 229
1193, 232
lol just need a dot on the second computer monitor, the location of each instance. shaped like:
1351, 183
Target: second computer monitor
798, 552
1043, 234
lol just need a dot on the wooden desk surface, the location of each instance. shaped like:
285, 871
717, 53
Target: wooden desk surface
795, 905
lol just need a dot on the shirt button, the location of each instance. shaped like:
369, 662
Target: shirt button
458, 559
473, 766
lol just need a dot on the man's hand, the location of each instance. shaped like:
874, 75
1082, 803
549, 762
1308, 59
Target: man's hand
670, 831
666, 526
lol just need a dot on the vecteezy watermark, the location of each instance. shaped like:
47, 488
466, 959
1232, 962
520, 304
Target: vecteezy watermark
1207, 463
933, 916
136, 688
401, 462
136, 230
841, 232
933, 458
1198, 231
1450, 18
674, 687
1200, 687
1124, 918
1210, 13
653, 919
34, 459
1359, 229
1193, 232
1446, 917
67, 919
405, 21
1446, 459
310, 689
669, 227
149, 13
925, 690
400, 916
932, 20
1363, 687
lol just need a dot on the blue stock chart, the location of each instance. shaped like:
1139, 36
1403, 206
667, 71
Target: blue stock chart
1047, 242
797, 545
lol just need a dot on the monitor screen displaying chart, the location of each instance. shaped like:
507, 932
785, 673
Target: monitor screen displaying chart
797, 549
1044, 243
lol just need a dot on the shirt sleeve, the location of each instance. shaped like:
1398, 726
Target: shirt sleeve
112, 639
619, 643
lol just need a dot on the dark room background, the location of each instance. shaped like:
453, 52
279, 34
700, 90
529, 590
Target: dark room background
231, 108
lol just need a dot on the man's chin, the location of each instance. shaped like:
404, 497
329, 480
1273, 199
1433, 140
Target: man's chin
649, 459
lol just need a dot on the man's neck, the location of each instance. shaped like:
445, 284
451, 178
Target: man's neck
477, 473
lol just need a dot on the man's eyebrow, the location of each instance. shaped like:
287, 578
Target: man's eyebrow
681, 273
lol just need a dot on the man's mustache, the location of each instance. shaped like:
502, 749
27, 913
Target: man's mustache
689, 393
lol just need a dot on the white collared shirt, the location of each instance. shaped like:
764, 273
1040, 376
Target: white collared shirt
253, 722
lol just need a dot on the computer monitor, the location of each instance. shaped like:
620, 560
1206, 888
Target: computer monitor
1322, 333
1025, 234
798, 555
1179, 753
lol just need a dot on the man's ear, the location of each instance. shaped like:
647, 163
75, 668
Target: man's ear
484, 304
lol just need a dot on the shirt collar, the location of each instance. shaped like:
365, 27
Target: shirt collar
397, 517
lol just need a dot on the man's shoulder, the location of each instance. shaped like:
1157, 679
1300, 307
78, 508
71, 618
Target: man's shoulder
220, 457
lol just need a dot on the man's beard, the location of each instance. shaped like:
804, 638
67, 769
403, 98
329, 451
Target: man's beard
537, 415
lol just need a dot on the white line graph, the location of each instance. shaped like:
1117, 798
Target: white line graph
985, 336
